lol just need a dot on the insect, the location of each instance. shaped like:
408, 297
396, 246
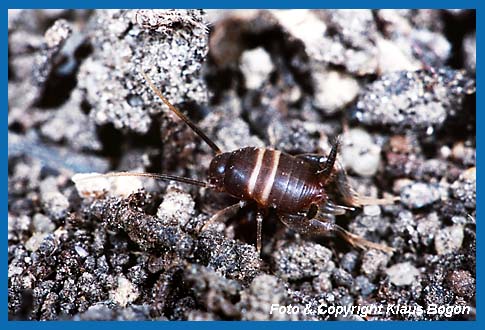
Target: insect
299, 188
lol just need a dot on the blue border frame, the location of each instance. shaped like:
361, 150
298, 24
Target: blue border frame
54, 4
479, 323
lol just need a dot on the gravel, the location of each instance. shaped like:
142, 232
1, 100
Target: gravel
360, 153
256, 66
462, 283
125, 292
363, 286
413, 100
120, 96
449, 239
307, 259
334, 90
465, 188
418, 195
177, 207
42, 223
403, 273
470, 50
373, 261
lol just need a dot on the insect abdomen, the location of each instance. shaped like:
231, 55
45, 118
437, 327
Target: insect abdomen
272, 178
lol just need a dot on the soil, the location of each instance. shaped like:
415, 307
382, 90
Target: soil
397, 87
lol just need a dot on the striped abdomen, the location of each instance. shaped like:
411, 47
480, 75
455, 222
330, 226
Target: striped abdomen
269, 177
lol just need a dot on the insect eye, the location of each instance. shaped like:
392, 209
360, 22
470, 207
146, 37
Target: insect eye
221, 169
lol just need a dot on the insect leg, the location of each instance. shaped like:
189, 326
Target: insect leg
360, 242
259, 222
224, 214
321, 226
349, 195
306, 226
338, 179
329, 207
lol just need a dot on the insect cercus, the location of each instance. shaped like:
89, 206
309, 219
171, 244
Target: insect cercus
298, 187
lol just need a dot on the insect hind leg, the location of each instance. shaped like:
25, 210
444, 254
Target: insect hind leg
320, 226
360, 242
337, 178
341, 183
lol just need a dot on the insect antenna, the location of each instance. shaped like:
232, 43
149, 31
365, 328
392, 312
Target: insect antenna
193, 126
163, 177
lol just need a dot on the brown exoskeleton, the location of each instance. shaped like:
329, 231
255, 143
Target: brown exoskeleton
297, 187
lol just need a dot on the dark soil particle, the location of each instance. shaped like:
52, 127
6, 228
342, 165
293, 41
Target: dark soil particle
398, 87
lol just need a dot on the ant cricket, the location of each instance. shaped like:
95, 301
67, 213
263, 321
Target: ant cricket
297, 187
